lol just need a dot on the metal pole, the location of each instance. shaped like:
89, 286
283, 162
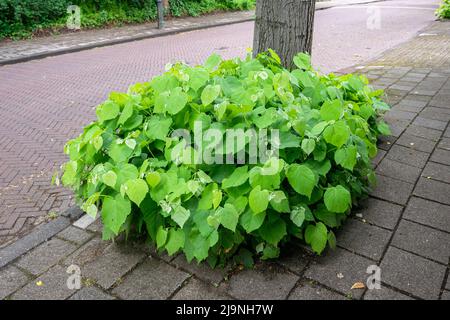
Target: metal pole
160, 6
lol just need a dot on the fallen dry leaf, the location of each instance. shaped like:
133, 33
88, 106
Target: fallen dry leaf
358, 285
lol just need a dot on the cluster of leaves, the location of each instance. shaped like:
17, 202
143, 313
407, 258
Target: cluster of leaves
21, 18
443, 11
328, 128
198, 7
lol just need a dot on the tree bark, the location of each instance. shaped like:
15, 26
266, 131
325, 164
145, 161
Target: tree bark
285, 26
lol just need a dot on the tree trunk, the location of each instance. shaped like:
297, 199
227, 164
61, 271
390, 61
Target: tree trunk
285, 26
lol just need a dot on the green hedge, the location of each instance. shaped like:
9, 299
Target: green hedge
444, 10
20, 18
131, 166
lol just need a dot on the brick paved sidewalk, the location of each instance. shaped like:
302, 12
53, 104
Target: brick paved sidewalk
404, 227
17, 51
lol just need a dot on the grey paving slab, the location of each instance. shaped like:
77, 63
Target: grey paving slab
153, 279
45, 256
399, 114
397, 126
310, 291
447, 285
267, 282
411, 273
441, 156
294, 258
416, 143
433, 190
408, 156
423, 132
11, 279
95, 226
430, 123
381, 213
202, 271
410, 105
195, 289
445, 295
434, 113
380, 155
385, 293
87, 252
75, 235
52, 285
28, 242
367, 240
91, 293
424, 241
393, 190
114, 262
437, 171
340, 269
398, 170
444, 143
429, 213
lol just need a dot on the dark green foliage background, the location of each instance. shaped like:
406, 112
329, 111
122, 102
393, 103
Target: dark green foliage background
22, 18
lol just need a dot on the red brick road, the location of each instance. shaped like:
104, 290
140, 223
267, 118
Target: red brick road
45, 102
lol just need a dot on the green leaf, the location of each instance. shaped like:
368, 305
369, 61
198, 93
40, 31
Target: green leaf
308, 145
301, 178
126, 113
107, 111
212, 62
237, 178
136, 190
92, 210
346, 157
331, 110
209, 94
158, 127
115, 212
331, 240
171, 102
161, 237
70, 173
119, 152
302, 61
316, 236
180, 215
337, 199
198, 77
250, 221
216, 198
258, 200
110, 178
279, 201
175, 240
273, 229
228, 216
153, 178
337, 134
298, 216
383, 128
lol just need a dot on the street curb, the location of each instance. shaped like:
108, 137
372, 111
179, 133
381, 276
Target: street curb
119, 41
155, 35
38, 236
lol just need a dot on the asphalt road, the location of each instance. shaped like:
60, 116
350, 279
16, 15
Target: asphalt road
45, 102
